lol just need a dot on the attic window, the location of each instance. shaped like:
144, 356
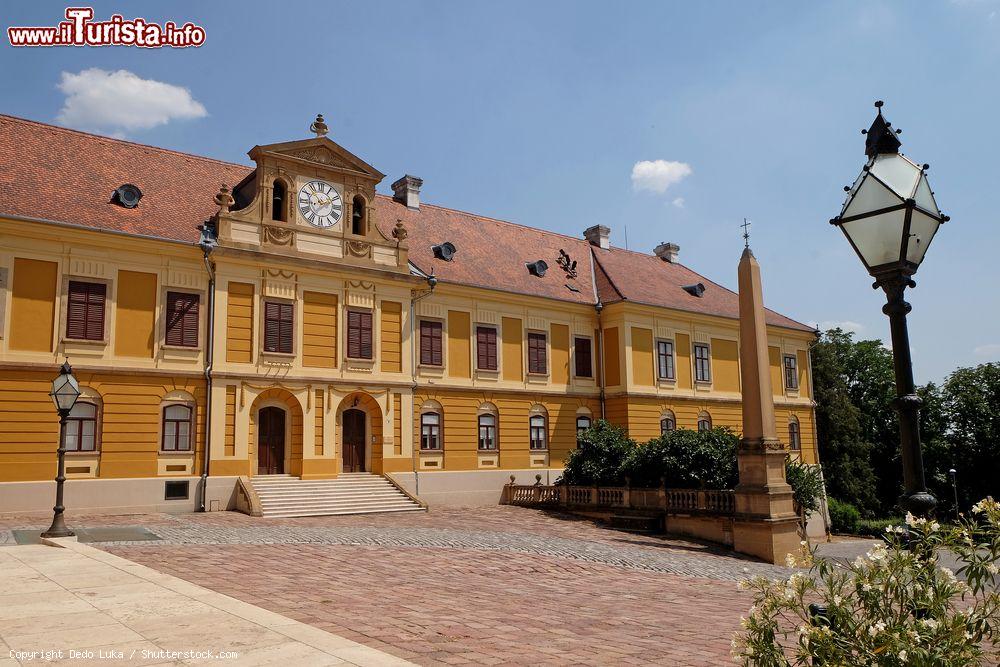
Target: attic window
694, 290
445, 251
127, 195
537, 268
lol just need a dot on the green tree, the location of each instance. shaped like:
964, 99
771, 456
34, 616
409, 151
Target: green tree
844, 431
686, 459
598, 460
971, 404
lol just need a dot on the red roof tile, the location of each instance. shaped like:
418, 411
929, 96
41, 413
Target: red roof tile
62, 175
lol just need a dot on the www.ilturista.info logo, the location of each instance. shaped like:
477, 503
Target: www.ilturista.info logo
80, 30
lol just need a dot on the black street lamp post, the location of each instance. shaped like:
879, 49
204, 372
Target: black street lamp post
65, 391
890, 218
953, 474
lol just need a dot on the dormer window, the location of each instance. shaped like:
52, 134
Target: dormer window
358, 216
278, 196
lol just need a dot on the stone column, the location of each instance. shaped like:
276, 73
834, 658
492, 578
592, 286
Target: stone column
766, 524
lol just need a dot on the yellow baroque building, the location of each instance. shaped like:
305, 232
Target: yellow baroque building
296, 322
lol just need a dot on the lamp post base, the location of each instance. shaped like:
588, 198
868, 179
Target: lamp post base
921, 503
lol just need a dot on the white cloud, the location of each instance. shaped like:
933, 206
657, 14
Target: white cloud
121, 101
989, 350
679, 202
658, 175
846, 325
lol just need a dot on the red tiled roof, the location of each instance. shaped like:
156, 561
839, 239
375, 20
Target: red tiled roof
62, 175
647, 279
54, 173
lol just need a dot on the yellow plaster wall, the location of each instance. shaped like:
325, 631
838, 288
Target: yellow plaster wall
459, 361
397, 425
319, 330
807, 429
803, 368
512, 344
33, 301
135, 314
774, 364
318, 412
239, 323
392, 354
725, 365
560, 354
460, 426
642, 357
644, 415
129, 423
230, 441
612, 365
683, 352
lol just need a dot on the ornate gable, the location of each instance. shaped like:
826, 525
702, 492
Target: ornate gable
313, 198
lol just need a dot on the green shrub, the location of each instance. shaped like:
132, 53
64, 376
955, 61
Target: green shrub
876, 527
598, 460
686, 459
806, 484
844, 517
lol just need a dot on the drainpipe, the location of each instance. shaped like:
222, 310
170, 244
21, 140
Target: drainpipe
432, 282
207, 243
600, 354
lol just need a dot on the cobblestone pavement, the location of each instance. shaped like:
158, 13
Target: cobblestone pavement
499, 585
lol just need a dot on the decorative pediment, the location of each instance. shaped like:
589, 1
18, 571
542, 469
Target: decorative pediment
320, 152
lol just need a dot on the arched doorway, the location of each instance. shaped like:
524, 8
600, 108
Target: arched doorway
271, 441
354, 440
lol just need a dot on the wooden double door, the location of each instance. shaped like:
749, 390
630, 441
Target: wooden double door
354, 440
270, 441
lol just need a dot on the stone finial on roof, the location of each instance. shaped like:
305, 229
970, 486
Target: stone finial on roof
319, 127
223, 199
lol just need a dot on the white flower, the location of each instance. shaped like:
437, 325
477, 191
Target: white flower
992, 568
859, 562
935, 526
930, 623
790, 560
837, 599
914, 521
743, 585
902, 656
866, 587
948, 574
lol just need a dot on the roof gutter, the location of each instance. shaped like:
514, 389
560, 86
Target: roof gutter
101, 230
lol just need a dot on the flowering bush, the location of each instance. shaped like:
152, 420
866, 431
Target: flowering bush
895, 606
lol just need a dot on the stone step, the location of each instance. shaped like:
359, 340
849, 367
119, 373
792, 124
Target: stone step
350, 493
412, 508
320, 503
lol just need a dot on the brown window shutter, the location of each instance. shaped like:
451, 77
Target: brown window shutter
430, 343
85, 310
182, 319
486, 348
584, 364
366, 335
271, 336
536, 353
285, 328
353, 334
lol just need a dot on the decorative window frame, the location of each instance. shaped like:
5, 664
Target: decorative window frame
202, 315
492, 373
704, 416
262, 319
92, 396
438, 368
291, 195
668, 414
178, 397
431, 407
671, 381
361, 361
527, 355
694, 364
536, 411
110, 309
791, 389
488, 409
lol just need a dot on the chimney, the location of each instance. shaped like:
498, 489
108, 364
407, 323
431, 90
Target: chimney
667, 252
407, 191
598, 235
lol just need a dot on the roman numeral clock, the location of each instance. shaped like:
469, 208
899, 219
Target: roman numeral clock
320, 204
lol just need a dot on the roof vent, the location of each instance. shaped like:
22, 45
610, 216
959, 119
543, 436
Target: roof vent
694, 290
537, 268
445, 251
127, 195
667, 252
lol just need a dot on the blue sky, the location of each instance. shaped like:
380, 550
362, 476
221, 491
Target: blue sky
538, 112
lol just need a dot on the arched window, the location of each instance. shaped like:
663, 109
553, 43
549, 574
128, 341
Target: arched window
487, 432
176, 428
704, 421
430, 431
538, 432
278, 201
583, 423
81, 428
358, 215
667, 422
794, 436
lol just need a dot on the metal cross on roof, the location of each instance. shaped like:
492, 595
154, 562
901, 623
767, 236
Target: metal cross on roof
746, 232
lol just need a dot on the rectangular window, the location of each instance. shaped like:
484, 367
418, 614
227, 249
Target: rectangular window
182, 319
537, 362
791, 372
359, 334
430, 343
85, 310
538, 436
176, 429
702, 363
665, 359
430, 431
278, 327
486, 348
487, 432
584, 358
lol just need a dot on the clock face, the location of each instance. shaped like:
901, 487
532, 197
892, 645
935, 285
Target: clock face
320, 204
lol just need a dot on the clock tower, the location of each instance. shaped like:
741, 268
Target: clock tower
313, 199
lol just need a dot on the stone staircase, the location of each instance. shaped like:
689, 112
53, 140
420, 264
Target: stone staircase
350, 493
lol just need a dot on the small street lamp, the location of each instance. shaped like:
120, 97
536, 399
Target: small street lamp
65, 391
890, 218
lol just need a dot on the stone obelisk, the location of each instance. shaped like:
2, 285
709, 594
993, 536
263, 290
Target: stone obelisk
766, 524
